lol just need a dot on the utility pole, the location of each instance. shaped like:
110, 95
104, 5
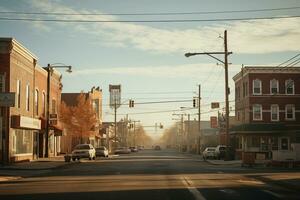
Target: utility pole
199, 117
188, 134
226, 88
115, 107
225, 62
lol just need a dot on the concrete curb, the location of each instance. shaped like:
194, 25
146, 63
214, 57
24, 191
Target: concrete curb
224, 163
39, 168
9, 178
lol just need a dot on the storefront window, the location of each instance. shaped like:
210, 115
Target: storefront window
284, 144
22, 141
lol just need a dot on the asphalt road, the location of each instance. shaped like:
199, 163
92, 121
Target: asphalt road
152, 175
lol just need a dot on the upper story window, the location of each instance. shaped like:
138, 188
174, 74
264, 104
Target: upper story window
2, 83
27, 97
274, 86
290, 112
257, 87
18, 94
274, 112
237, 93
257, 112
245, 89
53, 106
43, 104
289, 86
36, 102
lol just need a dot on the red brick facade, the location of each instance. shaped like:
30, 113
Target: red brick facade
23, 76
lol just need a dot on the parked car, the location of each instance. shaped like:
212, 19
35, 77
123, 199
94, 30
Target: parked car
220, 151
157, 147
122, 150
209, 152
133, 149
140, 148
84, 151
102, 151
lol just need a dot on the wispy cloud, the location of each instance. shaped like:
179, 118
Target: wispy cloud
261, 36
170, 71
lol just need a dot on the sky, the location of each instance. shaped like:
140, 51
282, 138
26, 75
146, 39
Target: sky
147, 59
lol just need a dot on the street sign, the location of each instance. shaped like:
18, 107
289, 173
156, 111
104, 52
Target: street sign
7, 99
213, 122
53, 122
53, 116
215, 105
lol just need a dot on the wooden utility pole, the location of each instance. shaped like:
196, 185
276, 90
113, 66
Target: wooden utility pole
225, 62
199, 117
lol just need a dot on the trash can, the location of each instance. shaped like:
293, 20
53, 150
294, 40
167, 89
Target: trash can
67, 158
248, 158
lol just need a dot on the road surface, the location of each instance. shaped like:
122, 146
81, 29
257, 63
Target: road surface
151, 175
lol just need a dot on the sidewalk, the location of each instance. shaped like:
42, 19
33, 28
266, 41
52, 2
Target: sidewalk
40, 164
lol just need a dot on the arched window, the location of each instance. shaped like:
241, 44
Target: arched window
274, 89
36, 102
289, 86
257, 87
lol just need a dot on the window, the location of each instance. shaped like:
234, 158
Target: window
43, 104
274, 113
289, 86
238, 93
53, 106
36, 102
274, 86
284, 143
246, 88
257, 112
255, 141
290, 112
22, 142
18, 95
256, 87
27, 97
2, 83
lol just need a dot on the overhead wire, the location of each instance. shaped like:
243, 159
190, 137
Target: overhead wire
148, 21
151, 13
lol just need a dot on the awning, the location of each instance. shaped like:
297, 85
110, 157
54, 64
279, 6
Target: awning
58, 131
260, 128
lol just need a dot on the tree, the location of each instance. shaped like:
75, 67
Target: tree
79, 120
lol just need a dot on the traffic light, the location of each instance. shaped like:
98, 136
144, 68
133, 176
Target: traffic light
194, 103
161, 126
131, 103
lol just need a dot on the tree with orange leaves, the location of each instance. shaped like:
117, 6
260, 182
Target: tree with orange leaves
79, 120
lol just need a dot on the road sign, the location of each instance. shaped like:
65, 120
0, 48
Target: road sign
53, 116
215, 105
7, 99
213, 122
53, 122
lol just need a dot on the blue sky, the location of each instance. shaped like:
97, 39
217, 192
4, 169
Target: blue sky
148, 58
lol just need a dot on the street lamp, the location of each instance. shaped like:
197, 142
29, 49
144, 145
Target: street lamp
225, 62
49, 69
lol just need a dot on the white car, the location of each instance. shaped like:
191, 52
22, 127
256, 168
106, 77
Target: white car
209, 152
84, 151
102, 151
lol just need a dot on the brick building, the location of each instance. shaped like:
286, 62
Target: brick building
21, 127
70, 99
267, 108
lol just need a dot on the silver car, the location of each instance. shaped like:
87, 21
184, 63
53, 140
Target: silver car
102, 151
209, 152
84, 151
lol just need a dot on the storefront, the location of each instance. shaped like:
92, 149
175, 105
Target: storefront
24, 134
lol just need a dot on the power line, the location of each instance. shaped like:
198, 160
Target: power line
289, 60
151, 13
147, 21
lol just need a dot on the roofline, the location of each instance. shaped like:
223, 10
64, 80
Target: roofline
14, 41
265, 69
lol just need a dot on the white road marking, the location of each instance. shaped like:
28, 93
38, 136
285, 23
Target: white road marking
190, 186
228, 191
273, 193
